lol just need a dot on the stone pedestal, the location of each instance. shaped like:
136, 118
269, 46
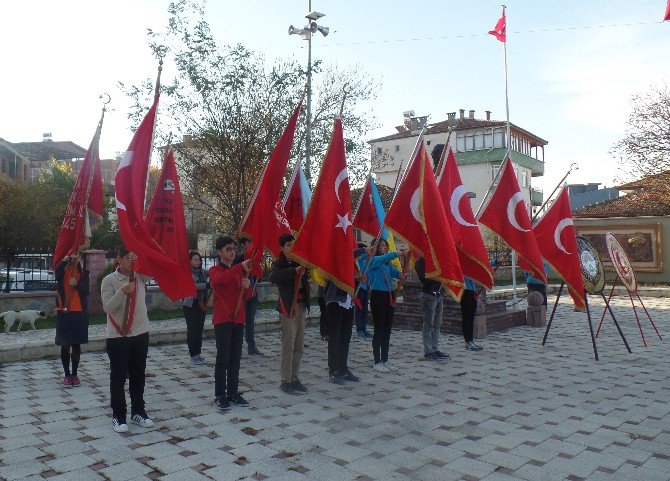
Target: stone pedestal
95, 263
536, 312
492, 315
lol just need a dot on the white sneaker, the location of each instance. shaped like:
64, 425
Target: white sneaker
390, 366
380, 367
141, 420
119, 426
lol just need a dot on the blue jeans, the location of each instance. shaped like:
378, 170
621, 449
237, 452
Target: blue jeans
361, 314
250, 317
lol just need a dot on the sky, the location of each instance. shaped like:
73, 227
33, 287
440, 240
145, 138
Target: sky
573, 65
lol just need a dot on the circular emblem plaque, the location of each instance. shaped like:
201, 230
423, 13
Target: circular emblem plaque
621, 262
593, 272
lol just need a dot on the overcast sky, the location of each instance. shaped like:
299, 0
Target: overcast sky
573, 65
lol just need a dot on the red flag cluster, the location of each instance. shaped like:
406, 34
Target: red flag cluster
500, 30
130, 184
417, 215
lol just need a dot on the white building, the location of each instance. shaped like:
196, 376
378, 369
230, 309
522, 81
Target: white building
479, 146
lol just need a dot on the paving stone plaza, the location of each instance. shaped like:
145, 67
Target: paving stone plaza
515, 411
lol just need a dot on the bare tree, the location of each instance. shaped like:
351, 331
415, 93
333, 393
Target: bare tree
645, 148
233, 107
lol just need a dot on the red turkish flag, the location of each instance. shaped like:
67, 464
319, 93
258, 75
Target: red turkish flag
417, 215
85, 206
164, 219
500, 30
472, 254
556, 238
365, 217
505, 213
278, 224
130, 186
292, 202
667, 12
261, 215
326, 238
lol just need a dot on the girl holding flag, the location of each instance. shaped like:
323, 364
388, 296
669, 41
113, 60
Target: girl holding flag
382, 303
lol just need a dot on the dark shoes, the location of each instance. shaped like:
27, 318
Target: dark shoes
471, 346
238, 400
349, 376
441, 355
222, 403
299, 387
287, 387
436, 356
336, 378
254, 351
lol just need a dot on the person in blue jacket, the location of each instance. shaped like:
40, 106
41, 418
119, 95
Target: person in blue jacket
380, 280
468, 312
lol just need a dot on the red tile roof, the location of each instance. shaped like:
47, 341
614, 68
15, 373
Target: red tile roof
650, 196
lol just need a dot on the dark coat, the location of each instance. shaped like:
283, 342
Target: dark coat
282, 274
429, 286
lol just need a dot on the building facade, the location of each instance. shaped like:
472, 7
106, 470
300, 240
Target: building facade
478, 144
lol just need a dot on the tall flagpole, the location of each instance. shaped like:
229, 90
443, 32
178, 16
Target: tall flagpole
509, 145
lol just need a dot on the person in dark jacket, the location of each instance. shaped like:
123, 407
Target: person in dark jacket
292, 281
432, 300
71, 315
194, 309
340, 319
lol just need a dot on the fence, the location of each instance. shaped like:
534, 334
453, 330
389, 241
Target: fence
27, 270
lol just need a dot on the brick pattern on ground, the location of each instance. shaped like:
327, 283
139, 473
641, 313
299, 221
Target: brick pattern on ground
515, 411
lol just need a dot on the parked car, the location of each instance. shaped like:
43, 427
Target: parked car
28, 272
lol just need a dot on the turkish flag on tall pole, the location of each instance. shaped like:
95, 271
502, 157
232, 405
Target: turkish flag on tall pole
130, 186
85, 204
164, 219
500, 30
365, 215
505, 214
556, 238
472, 253
667, 12
265, 215
326, 239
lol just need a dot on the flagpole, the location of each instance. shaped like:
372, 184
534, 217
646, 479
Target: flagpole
573, 166
91, 168
440, 164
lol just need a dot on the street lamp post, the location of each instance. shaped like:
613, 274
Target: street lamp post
306, 34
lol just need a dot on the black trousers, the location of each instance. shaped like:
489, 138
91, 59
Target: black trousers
340, 321
249, 323
229, 336
468, 311
195, 322
323, 324
382, 317
127, 359
541, 288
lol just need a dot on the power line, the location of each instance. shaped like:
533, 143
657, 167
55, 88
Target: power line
473, 35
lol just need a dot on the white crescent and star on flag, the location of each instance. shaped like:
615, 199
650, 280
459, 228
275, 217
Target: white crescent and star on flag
511, 211
343, 221
126, 160
455, 201
557, 233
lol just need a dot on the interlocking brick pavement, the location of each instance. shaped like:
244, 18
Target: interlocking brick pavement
515, 411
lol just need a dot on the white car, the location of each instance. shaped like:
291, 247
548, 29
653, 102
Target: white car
28, 272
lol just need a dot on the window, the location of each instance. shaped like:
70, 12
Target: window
479, 141
499, 139
488, 139
470, 142
460, 143
379, 151
397, 147
494, 173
